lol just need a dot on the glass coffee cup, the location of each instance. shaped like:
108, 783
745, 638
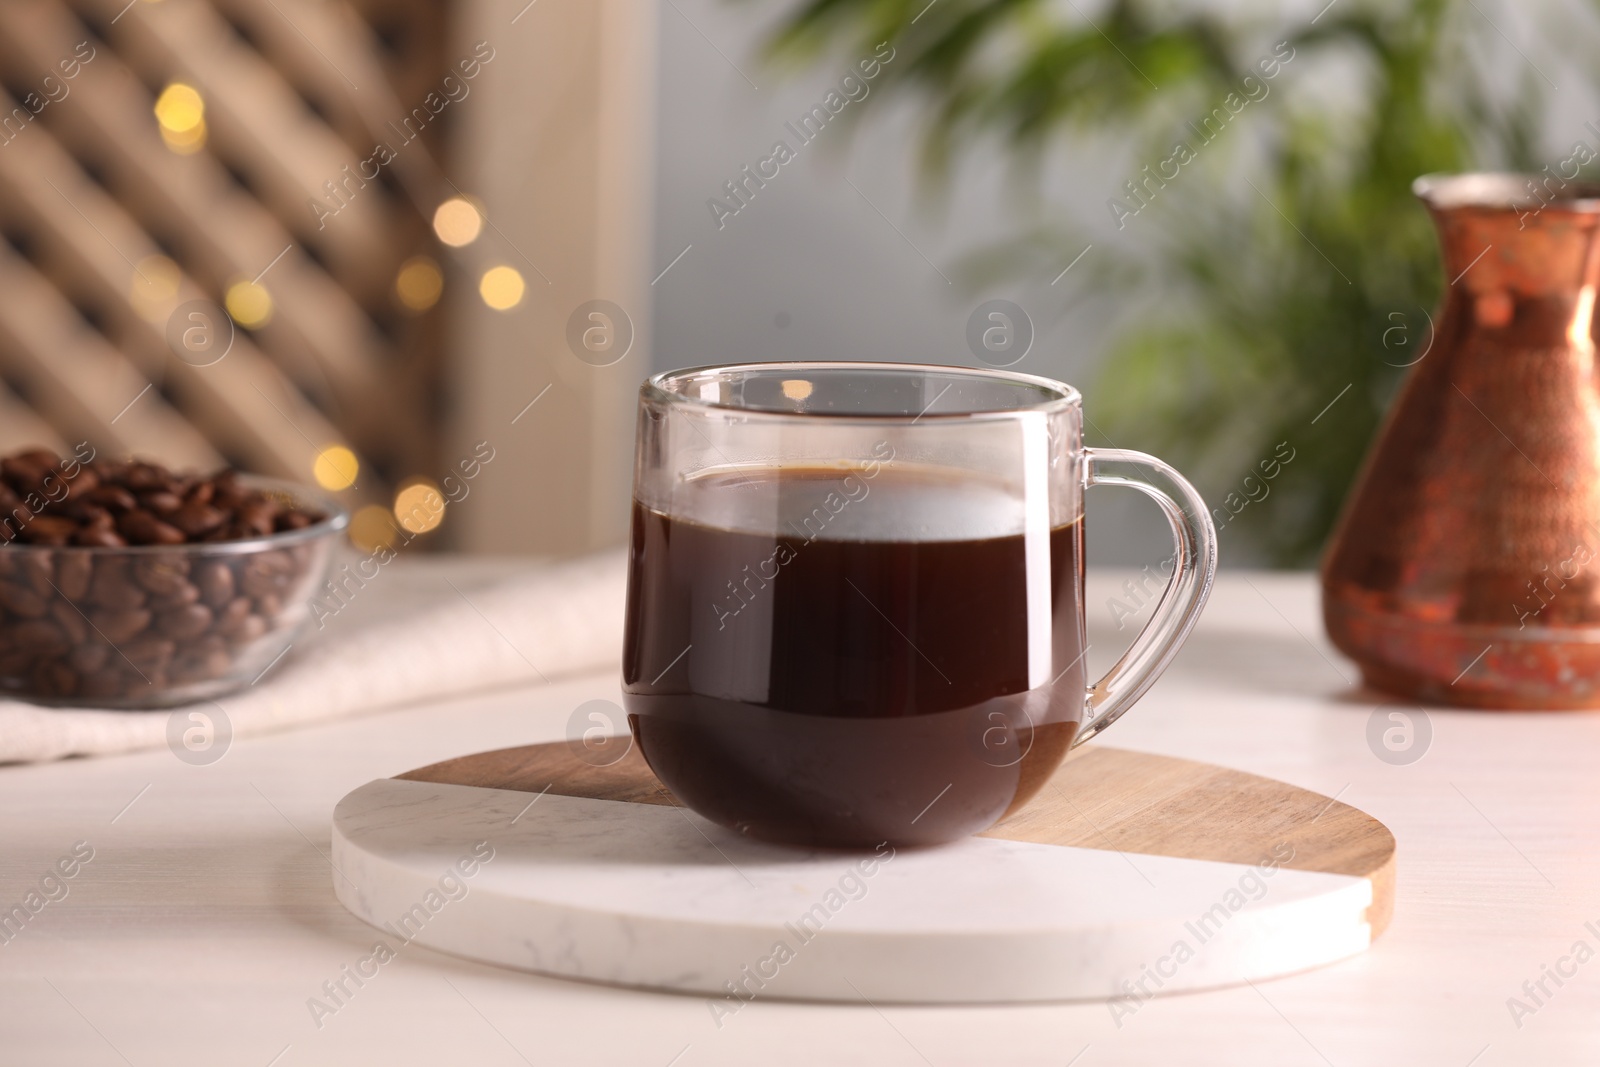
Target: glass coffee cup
855, 595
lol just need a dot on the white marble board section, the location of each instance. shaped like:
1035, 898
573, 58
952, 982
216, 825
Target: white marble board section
655, 896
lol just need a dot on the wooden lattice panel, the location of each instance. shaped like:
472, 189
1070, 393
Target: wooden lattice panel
89, 193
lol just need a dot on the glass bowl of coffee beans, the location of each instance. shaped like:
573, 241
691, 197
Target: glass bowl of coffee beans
126, 585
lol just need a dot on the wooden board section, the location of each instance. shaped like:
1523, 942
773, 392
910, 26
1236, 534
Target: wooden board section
1101, 798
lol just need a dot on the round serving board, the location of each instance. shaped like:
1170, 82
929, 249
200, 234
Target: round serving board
1129, 875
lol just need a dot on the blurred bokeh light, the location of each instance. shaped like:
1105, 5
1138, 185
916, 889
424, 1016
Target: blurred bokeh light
457, 222
502, 288
419, 507
249, 304
336, 468
419, 283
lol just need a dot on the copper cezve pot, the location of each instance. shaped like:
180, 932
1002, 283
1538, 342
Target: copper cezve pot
1466, 567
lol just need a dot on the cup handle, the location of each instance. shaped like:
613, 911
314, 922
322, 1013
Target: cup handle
1195, 567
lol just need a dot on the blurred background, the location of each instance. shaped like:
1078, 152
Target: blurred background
422, 252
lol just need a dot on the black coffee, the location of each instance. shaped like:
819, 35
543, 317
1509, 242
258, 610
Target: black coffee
819, 684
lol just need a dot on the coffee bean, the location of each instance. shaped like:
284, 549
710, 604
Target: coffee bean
185, 594
24, 473
98, 536
161, 501
71, 621
232, 616
204, 658
196, 519
215, 581
112, 497
161, 575
48, 530
117, 625
42, 457
38, 636
143, 528
226, 482
265, 574
207, 643
103, 683
253, 627
85, 481
73, 570
142, 476
258, 517
10, 524
20, 600
89, 656
55, 679
185, 622
149, 653
112, 588
37, 571
81, 511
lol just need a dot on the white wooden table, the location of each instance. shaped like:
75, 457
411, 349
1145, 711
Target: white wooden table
206, 919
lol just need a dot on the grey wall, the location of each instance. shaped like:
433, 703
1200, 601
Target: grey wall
838, 257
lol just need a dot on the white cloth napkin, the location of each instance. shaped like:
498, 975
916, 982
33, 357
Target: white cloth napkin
421, 630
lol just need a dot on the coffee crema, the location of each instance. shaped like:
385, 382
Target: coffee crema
866, 655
